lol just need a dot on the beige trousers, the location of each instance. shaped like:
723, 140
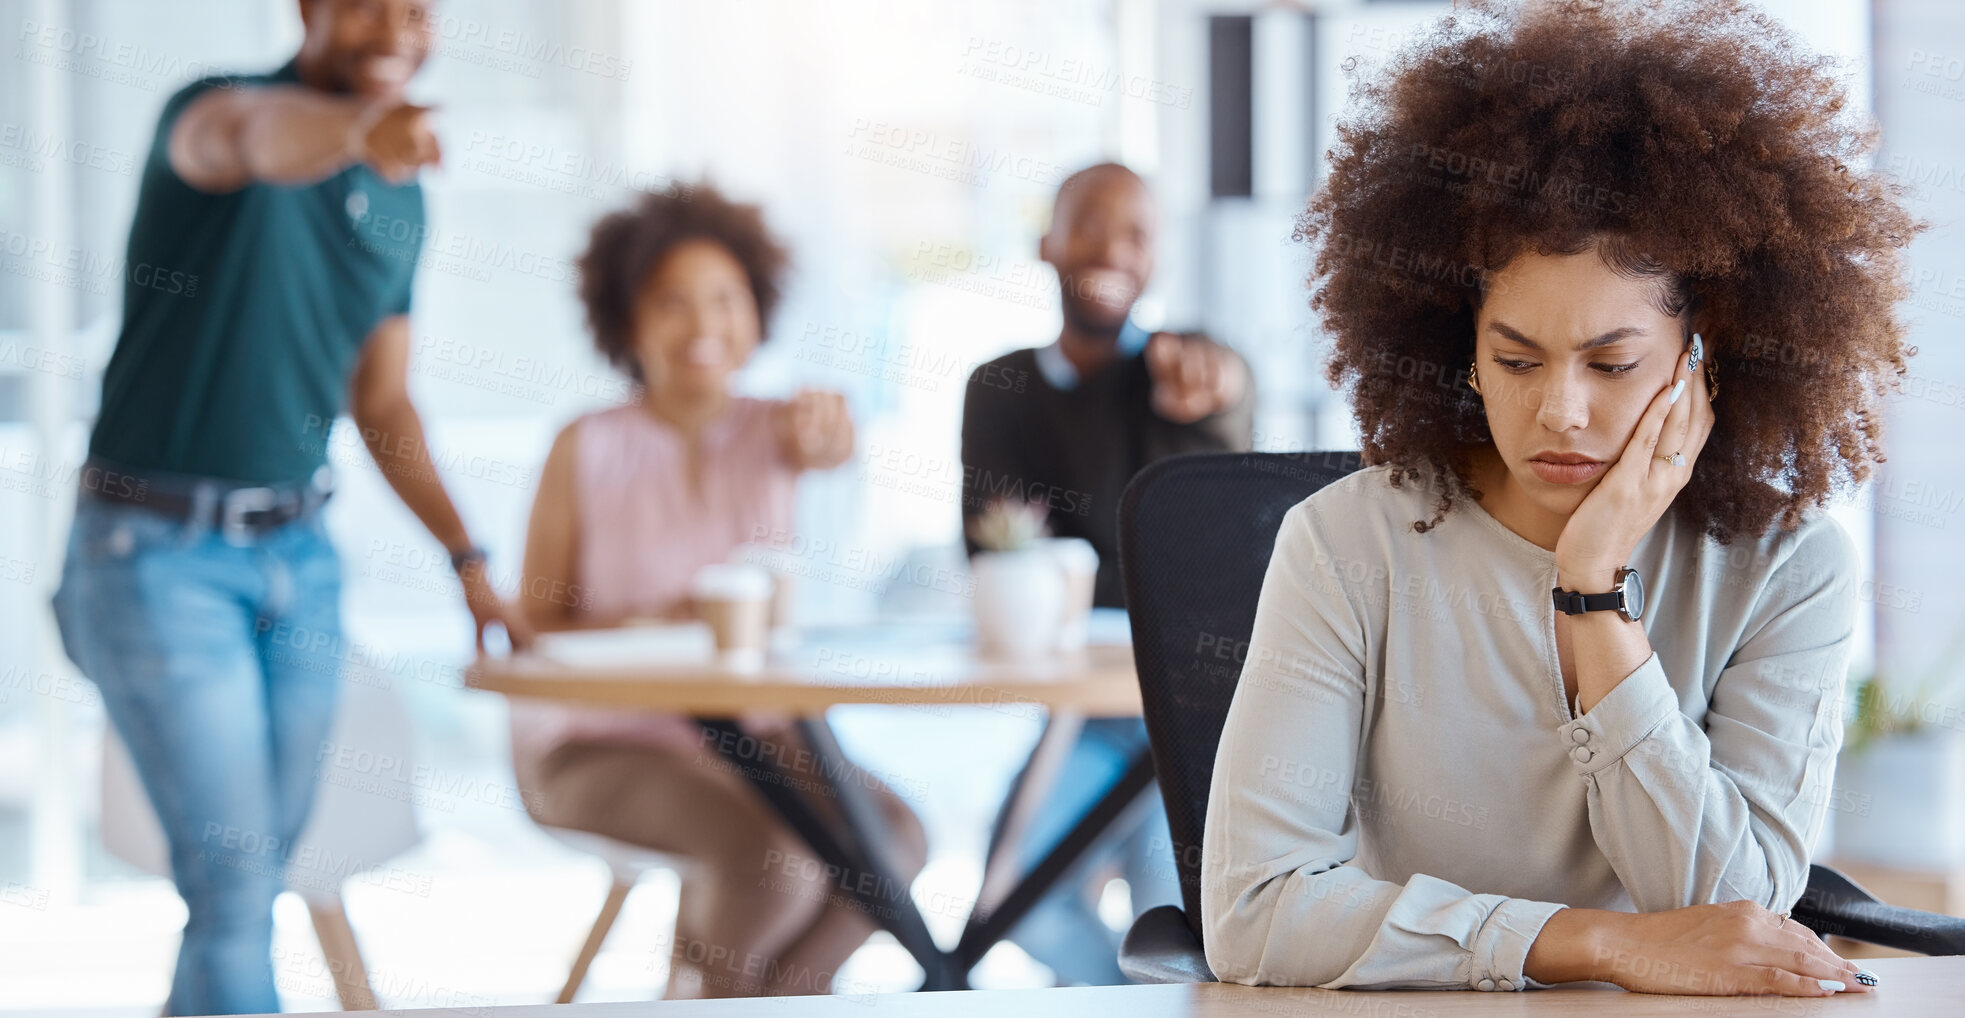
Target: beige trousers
761, 913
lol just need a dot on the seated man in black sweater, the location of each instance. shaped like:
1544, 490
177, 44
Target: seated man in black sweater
1075, 420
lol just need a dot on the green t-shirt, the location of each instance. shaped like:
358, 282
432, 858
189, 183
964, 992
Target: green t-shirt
243, 313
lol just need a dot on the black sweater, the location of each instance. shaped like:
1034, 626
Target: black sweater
1076, 449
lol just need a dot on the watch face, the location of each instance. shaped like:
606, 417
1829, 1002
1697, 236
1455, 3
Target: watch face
1633, 587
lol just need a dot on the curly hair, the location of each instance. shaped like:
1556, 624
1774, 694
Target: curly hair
626, 247
1694, 143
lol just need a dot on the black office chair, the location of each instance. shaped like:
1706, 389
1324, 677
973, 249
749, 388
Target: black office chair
1195, 533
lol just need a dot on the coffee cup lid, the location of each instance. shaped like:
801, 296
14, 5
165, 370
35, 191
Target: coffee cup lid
732, 581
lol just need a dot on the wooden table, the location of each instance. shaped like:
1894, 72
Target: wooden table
893, 664
831, 670
1911, 988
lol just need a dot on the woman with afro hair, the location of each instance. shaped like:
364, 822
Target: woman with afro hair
1550, 690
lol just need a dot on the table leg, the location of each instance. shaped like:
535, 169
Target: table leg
1003, 860
868, 823
988, 926
858, 853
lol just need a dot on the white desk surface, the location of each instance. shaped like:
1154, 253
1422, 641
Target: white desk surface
1910, 988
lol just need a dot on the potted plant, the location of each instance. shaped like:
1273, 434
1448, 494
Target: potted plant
1020, 584
1900, 782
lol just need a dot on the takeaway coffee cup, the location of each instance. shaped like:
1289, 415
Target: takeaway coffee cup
735, 599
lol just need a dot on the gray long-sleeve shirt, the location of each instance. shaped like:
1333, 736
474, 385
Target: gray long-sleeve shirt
1403, 796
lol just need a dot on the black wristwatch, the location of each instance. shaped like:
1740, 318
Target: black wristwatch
1626, 598
460, 559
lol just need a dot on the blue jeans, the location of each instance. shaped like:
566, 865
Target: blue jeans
1064, 931
217, 664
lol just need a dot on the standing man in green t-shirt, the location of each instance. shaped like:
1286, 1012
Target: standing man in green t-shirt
276, 235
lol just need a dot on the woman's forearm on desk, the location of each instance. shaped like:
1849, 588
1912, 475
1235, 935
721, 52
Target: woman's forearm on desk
1570, 947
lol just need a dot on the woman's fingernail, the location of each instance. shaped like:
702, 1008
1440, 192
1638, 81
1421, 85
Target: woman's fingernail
1677, 387
1866, 977
1698, 349
1831, 985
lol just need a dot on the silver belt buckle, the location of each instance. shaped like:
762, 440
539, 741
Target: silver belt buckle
236, 504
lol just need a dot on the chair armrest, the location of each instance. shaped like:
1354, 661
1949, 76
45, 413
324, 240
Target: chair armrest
1161, 949
1835, 904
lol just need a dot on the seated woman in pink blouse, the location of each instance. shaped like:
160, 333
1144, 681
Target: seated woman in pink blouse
632, 502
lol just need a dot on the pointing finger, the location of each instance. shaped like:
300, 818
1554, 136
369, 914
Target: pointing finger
1163, 354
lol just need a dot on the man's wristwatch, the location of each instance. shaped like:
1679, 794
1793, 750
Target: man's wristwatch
1626, 598
460, 559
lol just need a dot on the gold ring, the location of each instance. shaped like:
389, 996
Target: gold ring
1676, 459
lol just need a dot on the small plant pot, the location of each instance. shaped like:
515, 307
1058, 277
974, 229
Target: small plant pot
1019, 602
1080, 563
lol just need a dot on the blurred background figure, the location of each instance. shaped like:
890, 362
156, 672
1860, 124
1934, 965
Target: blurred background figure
633, 504
261, 303
1068, 425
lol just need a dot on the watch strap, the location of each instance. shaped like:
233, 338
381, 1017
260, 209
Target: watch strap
1573, 603
460, 559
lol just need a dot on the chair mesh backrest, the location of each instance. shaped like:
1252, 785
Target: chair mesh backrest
1195, 533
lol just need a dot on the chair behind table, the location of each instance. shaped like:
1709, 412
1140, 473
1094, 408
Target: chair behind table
1195, 534
364, 815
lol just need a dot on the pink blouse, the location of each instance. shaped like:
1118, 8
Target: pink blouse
645, 531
